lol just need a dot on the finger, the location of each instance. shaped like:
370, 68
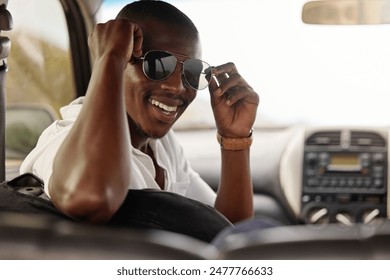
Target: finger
230, 85
221, 74
220, 78
230, 81
237, 89
224, 71
138, 41
242, 94
216, 82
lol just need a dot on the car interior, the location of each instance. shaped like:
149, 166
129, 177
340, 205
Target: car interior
326, 186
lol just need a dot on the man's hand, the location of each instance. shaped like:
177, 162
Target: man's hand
233, 101
112, 38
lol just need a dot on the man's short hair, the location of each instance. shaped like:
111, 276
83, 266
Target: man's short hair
140, 11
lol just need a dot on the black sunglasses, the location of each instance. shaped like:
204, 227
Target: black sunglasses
159, 65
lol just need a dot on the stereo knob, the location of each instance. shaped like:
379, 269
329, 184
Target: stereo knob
372, 217
344, 218
318, 216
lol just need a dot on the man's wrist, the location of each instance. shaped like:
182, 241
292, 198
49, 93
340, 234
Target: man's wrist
235, 144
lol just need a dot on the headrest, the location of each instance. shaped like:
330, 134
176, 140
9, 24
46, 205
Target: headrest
6, 22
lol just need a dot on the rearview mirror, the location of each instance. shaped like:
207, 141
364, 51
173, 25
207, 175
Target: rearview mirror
347, 12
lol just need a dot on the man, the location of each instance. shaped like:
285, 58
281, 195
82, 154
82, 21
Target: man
146, 72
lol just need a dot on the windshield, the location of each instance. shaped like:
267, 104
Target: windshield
304, 74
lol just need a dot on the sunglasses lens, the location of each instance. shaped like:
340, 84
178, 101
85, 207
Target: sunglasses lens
158, 65
197, 73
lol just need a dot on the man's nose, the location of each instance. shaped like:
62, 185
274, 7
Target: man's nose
175, 82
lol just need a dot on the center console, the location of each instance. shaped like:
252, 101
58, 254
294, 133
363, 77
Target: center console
344, 177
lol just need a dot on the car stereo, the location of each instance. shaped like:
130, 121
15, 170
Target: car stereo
344, 177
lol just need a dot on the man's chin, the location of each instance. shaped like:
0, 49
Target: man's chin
155, 132
158, 134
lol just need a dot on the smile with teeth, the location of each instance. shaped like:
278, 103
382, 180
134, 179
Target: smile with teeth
166, 109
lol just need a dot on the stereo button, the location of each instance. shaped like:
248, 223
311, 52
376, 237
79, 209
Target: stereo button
324, 183
359, 182
311, 158
351, 182
312, 182
378, 158
367, 182
323, 159
305, 198
377, 171
333, 182
378, 183
365, 160
310, 172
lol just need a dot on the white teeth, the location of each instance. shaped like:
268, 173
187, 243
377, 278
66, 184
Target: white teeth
163, 106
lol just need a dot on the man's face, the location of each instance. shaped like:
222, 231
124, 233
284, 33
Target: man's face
154, 106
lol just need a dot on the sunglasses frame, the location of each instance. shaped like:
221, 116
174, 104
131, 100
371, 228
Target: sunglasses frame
177, 61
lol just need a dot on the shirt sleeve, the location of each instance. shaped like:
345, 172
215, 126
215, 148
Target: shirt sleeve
40, 160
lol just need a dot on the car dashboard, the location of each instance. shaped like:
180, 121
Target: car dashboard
308, 175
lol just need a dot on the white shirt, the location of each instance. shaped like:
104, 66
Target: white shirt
180, 178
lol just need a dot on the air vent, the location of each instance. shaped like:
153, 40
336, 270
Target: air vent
362, 138
326, 138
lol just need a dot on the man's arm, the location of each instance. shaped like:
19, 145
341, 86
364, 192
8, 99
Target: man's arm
235, 195
234, 106
91, 169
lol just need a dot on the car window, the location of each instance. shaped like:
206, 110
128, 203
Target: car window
39, 62
39, 78
305, 74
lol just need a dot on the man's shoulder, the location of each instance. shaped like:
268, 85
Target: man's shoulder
72, 110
